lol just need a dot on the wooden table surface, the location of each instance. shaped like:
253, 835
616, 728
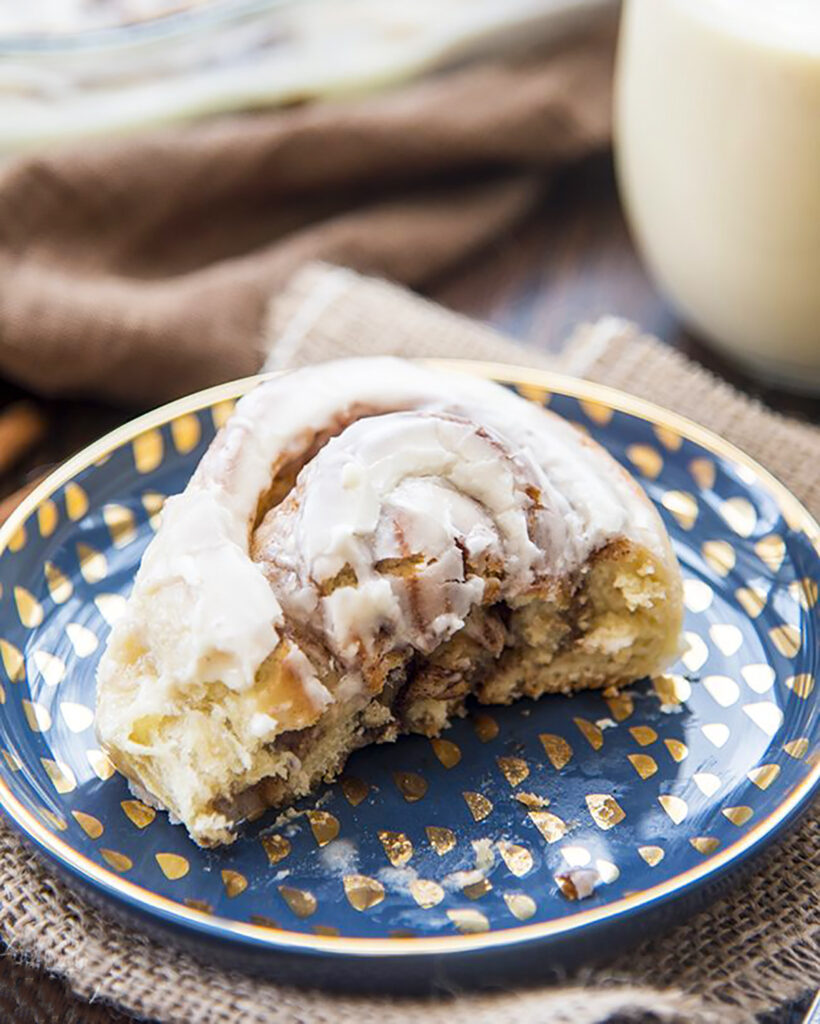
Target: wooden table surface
571, 261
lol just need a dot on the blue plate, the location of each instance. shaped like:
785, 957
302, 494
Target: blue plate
428, 855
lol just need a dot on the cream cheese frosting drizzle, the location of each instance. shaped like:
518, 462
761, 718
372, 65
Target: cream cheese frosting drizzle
424, 486
442, 466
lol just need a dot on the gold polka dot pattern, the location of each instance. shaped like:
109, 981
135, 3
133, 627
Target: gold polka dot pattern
441, 839
683, 506
568, 798
354, 789
363, 892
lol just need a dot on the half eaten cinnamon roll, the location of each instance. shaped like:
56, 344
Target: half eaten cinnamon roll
365, 545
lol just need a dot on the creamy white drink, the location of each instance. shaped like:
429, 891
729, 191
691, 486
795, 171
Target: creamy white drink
718, 157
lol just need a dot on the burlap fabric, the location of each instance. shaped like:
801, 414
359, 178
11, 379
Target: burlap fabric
748, 953
140, 268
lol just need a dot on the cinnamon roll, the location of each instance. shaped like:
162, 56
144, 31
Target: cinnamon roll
366, 545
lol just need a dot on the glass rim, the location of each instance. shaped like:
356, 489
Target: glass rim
159, 29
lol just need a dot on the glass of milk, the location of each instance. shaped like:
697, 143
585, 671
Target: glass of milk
717, 124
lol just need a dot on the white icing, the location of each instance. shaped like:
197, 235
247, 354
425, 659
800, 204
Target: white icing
357, 613
399, 485
201, 566
262, 726
317, 694
202, 606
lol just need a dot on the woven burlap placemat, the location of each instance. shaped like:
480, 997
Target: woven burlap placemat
750, 952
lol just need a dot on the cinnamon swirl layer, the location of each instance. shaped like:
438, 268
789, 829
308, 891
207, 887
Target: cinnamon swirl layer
365, 544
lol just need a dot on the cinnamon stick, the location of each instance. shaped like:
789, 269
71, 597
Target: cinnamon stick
22, 426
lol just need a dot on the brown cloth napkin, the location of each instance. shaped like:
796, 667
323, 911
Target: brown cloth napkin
140, 269
752, 951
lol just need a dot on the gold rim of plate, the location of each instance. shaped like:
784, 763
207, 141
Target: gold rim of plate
554, 383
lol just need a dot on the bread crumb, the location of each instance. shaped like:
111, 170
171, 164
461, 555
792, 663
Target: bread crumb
578, 883
532, 800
